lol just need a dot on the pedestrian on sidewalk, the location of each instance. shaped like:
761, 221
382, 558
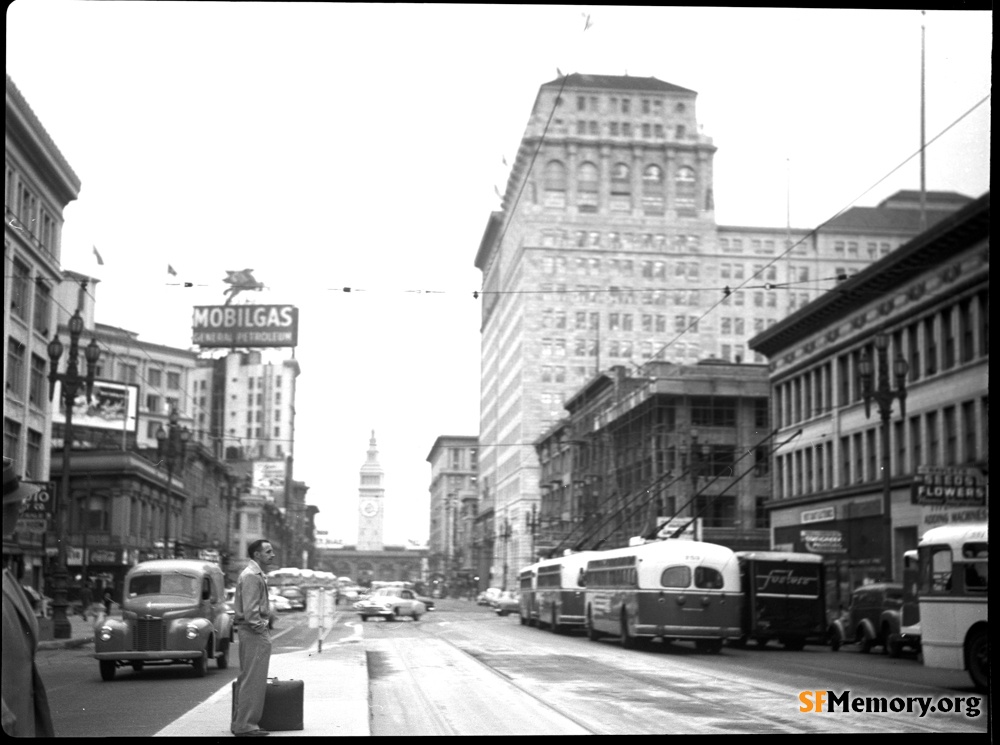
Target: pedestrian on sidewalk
252, 612
86, 598
25, 703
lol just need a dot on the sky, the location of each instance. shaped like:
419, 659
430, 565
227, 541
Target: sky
330, 145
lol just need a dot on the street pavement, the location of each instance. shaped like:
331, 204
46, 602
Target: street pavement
335, 677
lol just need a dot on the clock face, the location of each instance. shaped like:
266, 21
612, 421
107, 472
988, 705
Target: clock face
369, 508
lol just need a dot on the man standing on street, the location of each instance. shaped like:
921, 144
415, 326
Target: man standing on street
25, 703
252, 612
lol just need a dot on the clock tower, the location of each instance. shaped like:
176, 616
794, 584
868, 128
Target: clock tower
371, 497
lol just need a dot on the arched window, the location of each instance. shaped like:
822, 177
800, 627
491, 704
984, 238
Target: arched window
686, 188
555, 185
652, 190
586, 187
621, 188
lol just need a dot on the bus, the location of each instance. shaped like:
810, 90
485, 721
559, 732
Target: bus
559, 590
527, 601
784, 598
672, 589
953, 590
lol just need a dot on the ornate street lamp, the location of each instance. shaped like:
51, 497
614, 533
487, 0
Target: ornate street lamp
883, 395
71, 384
171, 445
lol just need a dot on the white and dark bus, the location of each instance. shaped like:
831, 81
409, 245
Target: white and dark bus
672, 589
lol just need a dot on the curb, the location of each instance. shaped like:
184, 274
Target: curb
78, 641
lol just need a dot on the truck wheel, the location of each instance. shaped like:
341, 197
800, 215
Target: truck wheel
107, 669
866, 642
977, 659
201, 664
893, 646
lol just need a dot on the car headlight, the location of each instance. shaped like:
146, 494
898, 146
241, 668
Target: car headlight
192, 631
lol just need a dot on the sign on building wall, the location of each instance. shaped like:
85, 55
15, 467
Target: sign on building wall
269, 475
245, 325
948, 495
113, 406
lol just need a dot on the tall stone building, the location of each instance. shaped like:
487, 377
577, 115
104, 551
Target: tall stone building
454, 554
38, 184
606, 252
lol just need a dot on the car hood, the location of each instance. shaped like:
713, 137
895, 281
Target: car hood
162, 607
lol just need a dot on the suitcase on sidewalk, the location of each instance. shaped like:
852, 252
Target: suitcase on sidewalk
282, 705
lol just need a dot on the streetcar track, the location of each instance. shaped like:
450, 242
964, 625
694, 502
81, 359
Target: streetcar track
697, 698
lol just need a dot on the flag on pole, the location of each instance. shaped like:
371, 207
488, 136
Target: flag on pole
97, 255
170, 271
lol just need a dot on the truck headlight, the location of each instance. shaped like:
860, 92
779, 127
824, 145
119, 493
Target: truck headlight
104, 633
192, 631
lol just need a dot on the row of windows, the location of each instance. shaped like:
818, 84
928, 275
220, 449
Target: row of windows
588, 175
591, 266
623, 105
850, 249
33, 456
954, 335
680, 243
625, 129
622, 295
584, 321
949, 436
21, 297
24, 211
20, 376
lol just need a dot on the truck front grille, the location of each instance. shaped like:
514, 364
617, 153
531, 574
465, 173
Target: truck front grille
150, 635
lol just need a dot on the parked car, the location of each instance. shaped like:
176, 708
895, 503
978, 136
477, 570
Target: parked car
486, 597
390, 603
507, 602
862, 621
173, 611
279, 603
296, 597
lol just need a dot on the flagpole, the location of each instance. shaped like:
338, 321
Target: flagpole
923, 133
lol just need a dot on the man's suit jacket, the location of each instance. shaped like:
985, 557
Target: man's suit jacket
25, 704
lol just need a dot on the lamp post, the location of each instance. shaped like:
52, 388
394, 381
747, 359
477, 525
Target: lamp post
171, 444
71, 384
505, 534
883, 395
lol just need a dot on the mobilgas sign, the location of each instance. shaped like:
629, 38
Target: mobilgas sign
245, 325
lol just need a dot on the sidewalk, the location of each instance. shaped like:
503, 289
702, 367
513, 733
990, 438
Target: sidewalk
335, 696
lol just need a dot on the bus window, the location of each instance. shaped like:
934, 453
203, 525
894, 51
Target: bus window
707, 578
679, 576
977, 568
937, 571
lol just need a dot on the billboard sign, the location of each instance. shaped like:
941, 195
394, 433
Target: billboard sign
245, 325
269, 475
112, 406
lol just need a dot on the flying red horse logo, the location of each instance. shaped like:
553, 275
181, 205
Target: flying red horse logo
240, 282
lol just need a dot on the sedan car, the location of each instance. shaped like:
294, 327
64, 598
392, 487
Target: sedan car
486, 597
507, 602
279, 603
295, 596
390, 603
862, 622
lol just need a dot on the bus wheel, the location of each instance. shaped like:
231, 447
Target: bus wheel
555, 627
977, 659
592, 633
628, 641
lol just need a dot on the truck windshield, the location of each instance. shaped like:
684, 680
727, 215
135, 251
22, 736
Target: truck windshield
164, 584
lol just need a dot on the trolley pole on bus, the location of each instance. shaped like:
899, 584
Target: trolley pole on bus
883, 396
